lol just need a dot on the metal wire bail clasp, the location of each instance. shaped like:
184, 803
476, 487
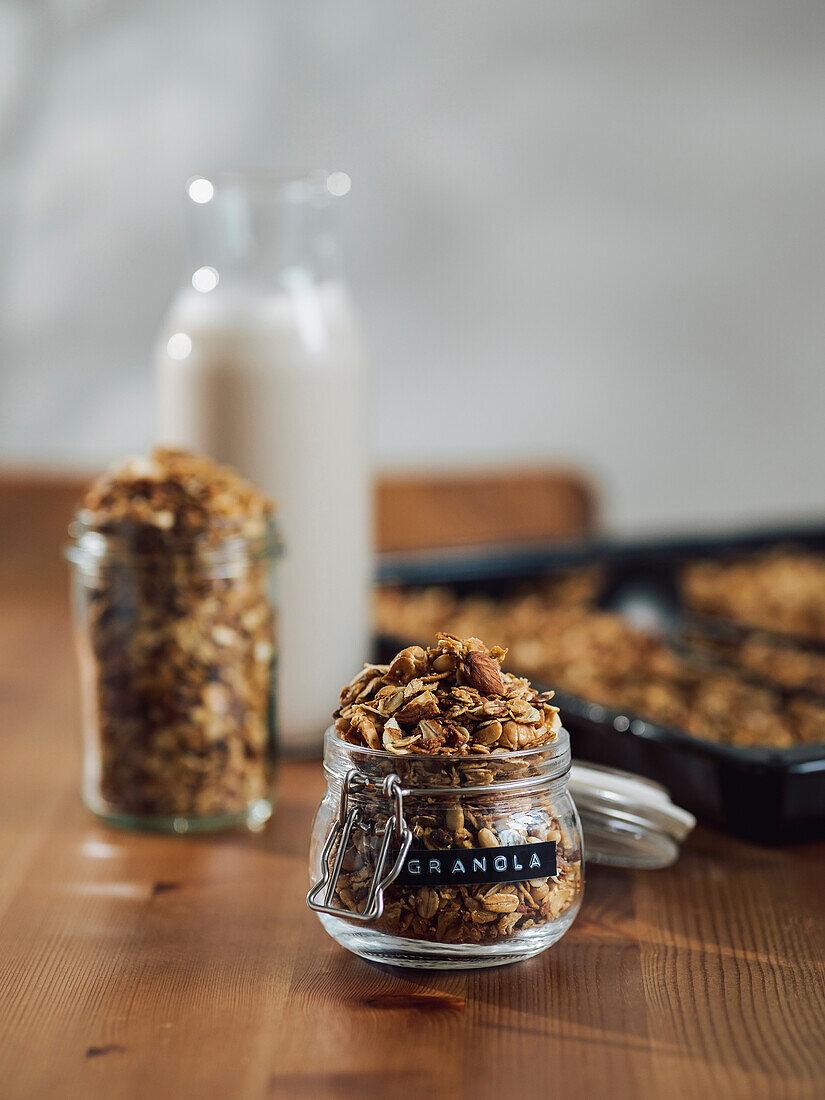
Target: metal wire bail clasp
347, 820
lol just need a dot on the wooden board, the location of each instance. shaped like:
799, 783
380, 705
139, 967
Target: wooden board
419, 511
148, 967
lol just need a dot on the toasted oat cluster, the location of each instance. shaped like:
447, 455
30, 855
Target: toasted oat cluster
177, 646
178, 493
600, 657
782, 591
451, 698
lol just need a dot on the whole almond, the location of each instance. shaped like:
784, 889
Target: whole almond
483, 673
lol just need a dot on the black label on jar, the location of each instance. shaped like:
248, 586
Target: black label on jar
474, 866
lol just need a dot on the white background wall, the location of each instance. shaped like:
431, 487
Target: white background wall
589, 231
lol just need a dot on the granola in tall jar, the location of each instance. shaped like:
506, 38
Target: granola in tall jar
447, 716
176, 636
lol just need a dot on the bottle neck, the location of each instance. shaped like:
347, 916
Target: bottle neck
262, 231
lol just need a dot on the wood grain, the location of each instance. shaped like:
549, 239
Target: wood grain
136, 966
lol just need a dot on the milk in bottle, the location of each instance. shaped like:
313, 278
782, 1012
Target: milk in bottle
260, 364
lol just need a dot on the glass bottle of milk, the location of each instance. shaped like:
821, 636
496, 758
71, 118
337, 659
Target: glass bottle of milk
260, 364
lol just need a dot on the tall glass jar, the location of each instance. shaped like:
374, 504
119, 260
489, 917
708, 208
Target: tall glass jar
260, 364
446, 862
176, 643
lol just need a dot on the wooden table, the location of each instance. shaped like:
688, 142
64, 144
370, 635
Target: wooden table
150, 967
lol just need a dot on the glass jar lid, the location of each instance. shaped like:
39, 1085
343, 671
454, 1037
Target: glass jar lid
627, 821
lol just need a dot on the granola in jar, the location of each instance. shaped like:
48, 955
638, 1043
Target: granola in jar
492, 867
173, 560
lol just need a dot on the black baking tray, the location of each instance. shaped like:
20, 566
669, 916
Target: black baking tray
768, 795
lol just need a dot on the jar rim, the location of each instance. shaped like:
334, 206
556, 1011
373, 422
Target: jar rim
220, 544
552, 759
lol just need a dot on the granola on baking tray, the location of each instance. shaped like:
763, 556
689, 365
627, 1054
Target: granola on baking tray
780, 590
600, 657
177, 639
452, 718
